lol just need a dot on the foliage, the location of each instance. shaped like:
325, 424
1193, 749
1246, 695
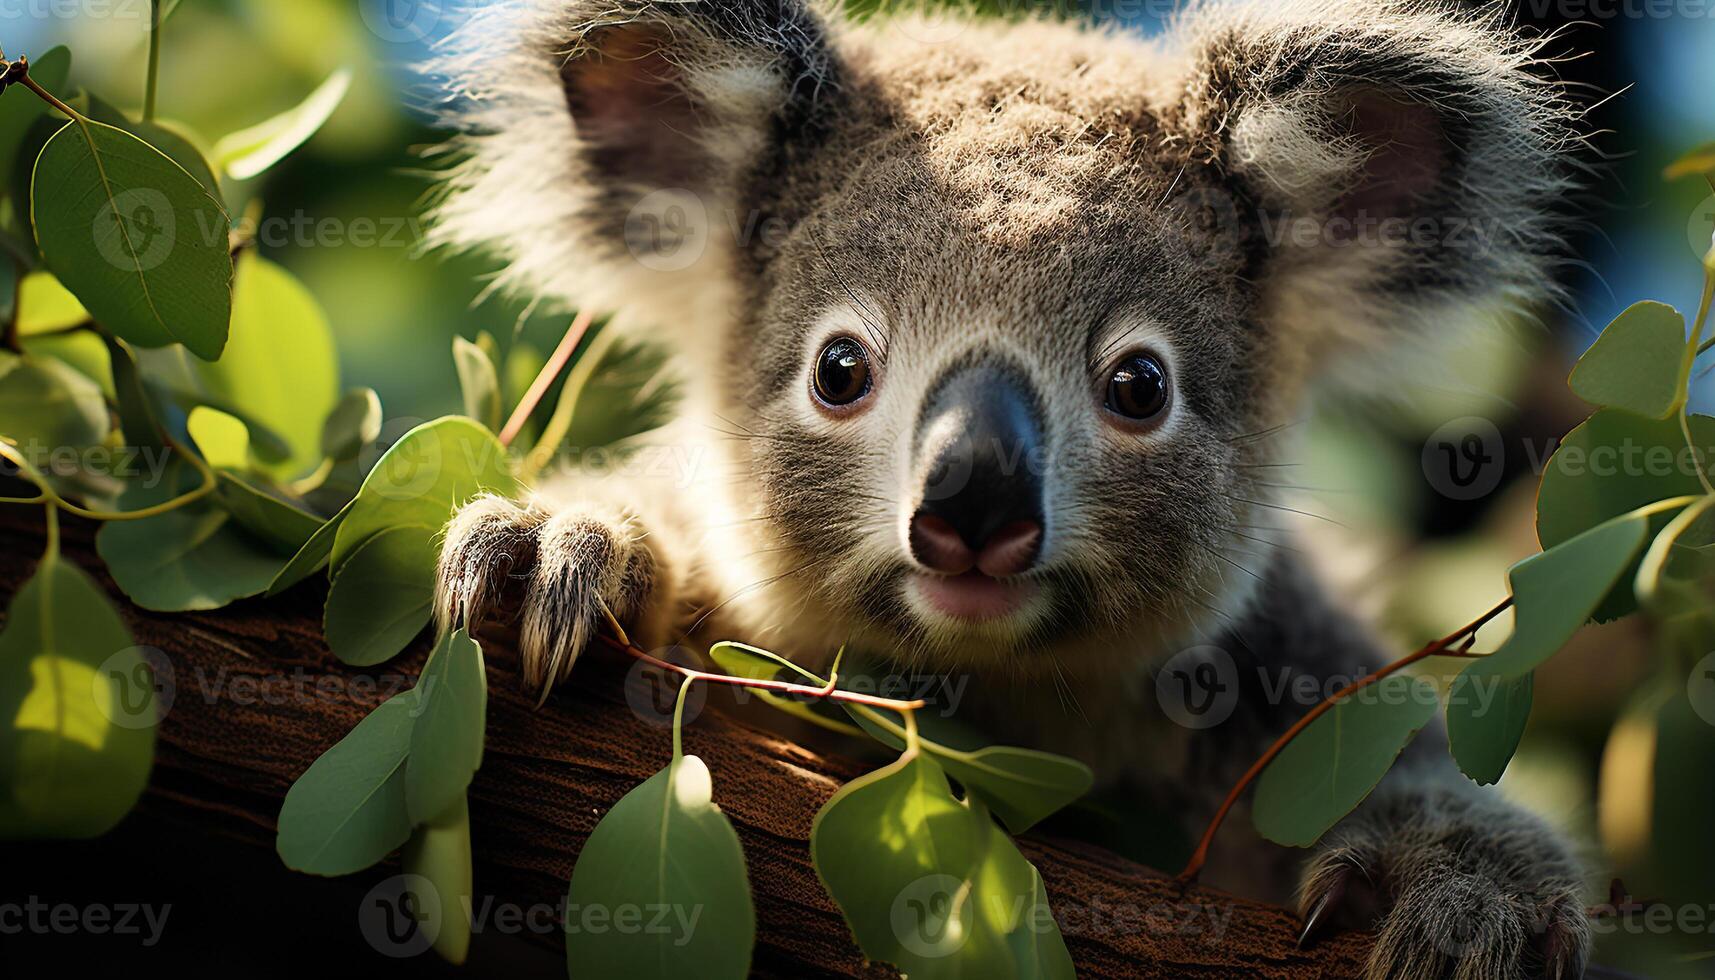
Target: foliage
142, 320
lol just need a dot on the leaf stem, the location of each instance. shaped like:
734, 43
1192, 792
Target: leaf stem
1194, 866
154, 60
1696, 347
778, 687
560, 425
545, 379
679, 719
48, 495
48, 97
53, 549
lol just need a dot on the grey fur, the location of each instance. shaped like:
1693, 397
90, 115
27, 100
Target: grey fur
1042, 196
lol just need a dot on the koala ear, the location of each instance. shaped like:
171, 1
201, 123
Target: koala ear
608, 143
1397, 156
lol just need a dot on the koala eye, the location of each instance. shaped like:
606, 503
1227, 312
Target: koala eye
842, 374
1137, 389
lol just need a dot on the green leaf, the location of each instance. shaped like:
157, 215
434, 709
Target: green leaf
46, 406
1022, 786
439, 854
1613, 464
76, 710
1332, 765
176, 147
1676, 581
354, 423
250, 152
136, 407
1638, 363
479, 381
45, 306
280, 363
931, 884
1698, 161
311, 558
347, 811
284, 525
446, 746
21, 108
139, 242
222, 439
381, 598
1682, 809
1486, 716
664, 845
436, 468
196, 557
1554, 595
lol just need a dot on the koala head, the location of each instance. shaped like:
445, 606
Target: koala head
1005, 320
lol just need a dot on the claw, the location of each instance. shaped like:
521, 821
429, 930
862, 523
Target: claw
1322, 911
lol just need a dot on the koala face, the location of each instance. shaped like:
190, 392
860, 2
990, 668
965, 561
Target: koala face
1006, 326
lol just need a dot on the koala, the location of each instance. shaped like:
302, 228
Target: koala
991, 338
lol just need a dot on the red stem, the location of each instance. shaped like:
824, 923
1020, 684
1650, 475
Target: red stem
1200, 856
550, 373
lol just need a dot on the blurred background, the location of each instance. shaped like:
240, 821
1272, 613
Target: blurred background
1416, 552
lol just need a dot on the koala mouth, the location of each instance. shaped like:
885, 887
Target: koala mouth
974, 597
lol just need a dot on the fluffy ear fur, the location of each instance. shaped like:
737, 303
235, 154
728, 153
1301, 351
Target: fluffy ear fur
609, 143
1390, 157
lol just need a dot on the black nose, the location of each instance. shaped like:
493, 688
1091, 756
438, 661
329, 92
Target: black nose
979, 443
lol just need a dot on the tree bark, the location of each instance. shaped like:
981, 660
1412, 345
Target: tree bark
257, 697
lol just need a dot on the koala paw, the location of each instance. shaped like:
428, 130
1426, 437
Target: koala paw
1460, 887
580, 566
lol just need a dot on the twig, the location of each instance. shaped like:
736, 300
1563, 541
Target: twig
1199, 857
827, 692
545, 379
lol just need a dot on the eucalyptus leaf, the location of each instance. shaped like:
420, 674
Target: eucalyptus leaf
312, 557
1613, 464
136, 407
347, 811
1554, 595
1332, 765
439, 853
353, 424
1022, 786
195, 557
381, 598
931, 884
139, 242
436, 468
281, 523
664, 845
46, 406
250, 152
280, 363
176, 146
446, 746
1682, 853
1639, 363
45, 306
223, 439
77, 710
1676, 581
479, 382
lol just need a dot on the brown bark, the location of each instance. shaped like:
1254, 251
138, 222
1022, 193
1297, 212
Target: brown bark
257, 697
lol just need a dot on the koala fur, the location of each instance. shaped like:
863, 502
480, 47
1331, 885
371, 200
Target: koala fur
1271, 196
